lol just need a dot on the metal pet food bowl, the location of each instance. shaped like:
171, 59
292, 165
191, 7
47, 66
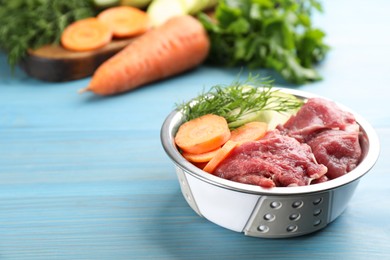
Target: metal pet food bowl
278, 212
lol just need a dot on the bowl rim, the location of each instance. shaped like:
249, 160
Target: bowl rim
173, 120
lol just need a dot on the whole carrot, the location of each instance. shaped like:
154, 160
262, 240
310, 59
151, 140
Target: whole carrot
176, 46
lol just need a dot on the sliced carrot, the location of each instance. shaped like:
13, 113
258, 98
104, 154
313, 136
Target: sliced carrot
202, 134
251, 131
221, 155
86, 35
200, 158
176, 46
125, 21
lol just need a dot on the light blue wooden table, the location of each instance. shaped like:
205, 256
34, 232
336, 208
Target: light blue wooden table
83, 177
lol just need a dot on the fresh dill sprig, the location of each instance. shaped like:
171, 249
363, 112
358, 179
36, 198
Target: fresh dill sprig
30, 24
240, 102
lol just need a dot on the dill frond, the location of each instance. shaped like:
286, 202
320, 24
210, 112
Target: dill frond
239, 102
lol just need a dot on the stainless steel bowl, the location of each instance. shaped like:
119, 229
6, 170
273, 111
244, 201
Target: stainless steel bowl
271, 213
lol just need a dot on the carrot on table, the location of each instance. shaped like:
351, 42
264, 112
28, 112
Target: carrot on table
221, 155
202, 134
86, 35
200, 158
125, 21
251, 131
178, 45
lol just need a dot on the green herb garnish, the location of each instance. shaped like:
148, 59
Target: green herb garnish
241, 102
26, 24
267, 34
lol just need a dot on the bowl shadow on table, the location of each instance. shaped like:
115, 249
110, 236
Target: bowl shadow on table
190, 236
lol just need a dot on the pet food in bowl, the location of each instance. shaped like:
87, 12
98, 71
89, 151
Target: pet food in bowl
294, 179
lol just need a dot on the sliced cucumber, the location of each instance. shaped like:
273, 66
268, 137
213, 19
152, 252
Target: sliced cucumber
209, 4
195, 6
136, 3
160, 11
276, 118
271, 117
101, 4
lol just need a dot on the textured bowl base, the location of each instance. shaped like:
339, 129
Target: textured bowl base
289, 216
265, 216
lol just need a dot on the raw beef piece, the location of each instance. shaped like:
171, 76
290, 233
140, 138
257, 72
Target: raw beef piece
320, 180
338, 150
331, 132
275, 160
315, 115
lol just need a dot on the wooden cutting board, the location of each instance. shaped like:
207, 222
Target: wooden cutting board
54, 63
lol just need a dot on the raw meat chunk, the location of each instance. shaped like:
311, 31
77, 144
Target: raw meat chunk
275, 160
332, 134
338, 150
316, 115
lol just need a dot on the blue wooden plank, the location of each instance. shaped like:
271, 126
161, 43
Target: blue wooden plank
84, 177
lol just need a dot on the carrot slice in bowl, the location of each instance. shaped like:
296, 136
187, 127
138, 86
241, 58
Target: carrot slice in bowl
222, 153
86, 35
251, 131
202, 134
200, 158
125, 21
